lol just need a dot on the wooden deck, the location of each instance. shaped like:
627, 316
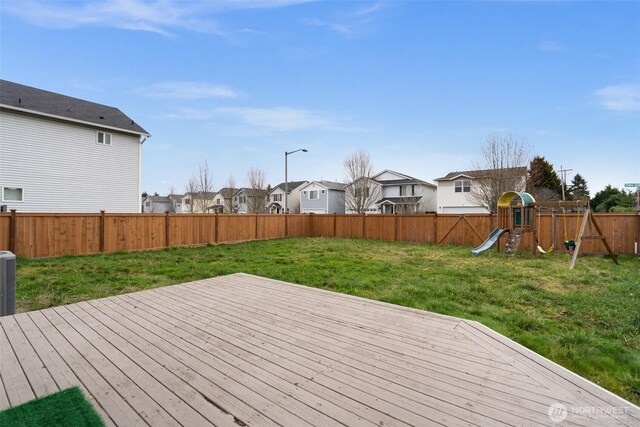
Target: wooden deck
244, 350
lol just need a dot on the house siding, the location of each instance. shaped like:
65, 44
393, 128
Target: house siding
61, 168
460, 203
319, 205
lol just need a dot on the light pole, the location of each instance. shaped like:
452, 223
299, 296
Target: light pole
286, 177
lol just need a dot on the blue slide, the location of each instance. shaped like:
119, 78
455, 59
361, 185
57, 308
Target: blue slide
491, 240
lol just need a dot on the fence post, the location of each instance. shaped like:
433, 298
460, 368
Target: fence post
215, 228
101, 231
256, 236
13, 231
335, 215
286, 224
395, 228
167, 228
435, 227
364, 229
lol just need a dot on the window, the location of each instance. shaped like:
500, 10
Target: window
407, 190
147, 204
277, 197
313, 195
12, 194
104, 138
242, 199
187, 201
462, 186
217, 201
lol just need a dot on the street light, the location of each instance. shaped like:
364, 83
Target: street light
286, 177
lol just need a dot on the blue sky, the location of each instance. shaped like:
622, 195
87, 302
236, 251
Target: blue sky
419, 85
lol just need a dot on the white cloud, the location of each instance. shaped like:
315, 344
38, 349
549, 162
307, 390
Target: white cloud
624, 97
551, 46
188, 90
279, 118
158, 16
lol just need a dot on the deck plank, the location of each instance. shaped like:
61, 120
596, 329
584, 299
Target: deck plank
430, 394
59, 370
13, 377
244, 350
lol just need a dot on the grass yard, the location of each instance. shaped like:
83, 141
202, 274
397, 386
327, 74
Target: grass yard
587, 320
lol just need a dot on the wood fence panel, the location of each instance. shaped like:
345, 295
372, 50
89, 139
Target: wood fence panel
299, 225
191, 230
271, 226
322, 225
5, 223
348, 226
133, 232
416, 228
46, 235
380, 227
236, 228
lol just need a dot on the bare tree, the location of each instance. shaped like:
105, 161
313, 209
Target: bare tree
200, 189
362, 191
502, 168
191, 190
257, 199
228, 195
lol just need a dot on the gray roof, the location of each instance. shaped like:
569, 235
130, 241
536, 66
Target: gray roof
407, 180
331, 185
28, 98
292, 185
158, 199
480, 173
227, 192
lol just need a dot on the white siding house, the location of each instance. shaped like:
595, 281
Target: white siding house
275, 202
63, 154
455, 190
397, 193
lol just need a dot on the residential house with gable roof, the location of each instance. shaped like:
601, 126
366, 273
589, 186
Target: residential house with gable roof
275, 202
223, 201
322, 197
249, 201
455, 189
64, 154
394, 193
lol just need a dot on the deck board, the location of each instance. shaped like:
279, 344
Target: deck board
244, 350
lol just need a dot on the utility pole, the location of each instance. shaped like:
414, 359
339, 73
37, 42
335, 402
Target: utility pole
563, 175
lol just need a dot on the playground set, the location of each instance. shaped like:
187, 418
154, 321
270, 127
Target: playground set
517, 216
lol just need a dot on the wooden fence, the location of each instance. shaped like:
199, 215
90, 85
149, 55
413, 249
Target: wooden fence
49, 234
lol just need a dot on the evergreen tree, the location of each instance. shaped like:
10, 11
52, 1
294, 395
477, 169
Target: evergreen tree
578, 188
603, 195
543, 182
611, 199
145, 194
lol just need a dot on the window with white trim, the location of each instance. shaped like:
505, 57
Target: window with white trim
12, 194
277, 197
313, 195
462, 186
407, 190
103, 138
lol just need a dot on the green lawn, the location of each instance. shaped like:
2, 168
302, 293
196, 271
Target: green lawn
587, 320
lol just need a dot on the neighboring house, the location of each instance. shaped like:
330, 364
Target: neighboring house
249, 200
156, 204
176, 202
455, 190
63, 154
275, 203
322, 197
223, 201
196, 202
397, 193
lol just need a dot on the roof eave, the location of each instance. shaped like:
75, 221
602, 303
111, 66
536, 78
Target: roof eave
67, 119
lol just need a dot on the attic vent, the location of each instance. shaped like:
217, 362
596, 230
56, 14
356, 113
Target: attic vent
101, 117
19, 100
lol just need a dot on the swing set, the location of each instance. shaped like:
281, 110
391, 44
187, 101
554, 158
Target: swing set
516, 217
